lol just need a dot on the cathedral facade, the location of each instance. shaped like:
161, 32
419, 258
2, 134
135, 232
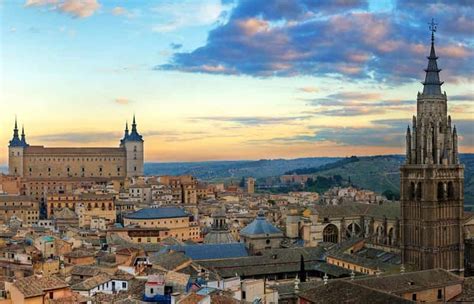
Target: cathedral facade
53, 163
432, 182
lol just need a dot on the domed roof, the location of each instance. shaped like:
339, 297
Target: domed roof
260, 225
219, 237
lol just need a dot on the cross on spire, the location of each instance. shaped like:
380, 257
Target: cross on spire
433, 27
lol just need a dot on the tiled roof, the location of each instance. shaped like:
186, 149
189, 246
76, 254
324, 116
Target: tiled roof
36, 286
212, 251
411, 281
157, 213
90, 283
169, 260
339, 291
388, 209
273, 261
191, 299
84, 270
260, 225
65, 213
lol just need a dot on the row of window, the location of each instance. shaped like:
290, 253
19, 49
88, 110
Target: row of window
72, 159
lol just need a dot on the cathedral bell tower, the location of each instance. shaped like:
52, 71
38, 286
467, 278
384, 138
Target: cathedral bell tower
432, 182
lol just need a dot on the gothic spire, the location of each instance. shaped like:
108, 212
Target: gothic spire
23, 136
432, 84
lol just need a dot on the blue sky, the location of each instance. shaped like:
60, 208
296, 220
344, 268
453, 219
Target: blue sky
230, 79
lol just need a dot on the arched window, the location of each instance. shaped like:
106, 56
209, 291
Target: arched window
440, 191
419, 191
353, 230
390, 240
450, 190
412, 191
330, 234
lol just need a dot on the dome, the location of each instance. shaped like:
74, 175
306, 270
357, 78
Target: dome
219, 237
260, 225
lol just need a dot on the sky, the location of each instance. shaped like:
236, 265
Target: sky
230, 79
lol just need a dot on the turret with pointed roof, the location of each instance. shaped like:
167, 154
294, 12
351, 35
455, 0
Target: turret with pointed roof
16, 141
432, 84
134, 136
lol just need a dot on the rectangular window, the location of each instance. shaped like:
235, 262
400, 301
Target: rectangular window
124, 284
440, 294
413, 297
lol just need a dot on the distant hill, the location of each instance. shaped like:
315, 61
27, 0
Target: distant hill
381, 173
221, 170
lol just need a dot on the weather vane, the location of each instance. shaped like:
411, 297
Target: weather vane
433, 27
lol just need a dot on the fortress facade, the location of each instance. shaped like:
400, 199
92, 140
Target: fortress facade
81, 163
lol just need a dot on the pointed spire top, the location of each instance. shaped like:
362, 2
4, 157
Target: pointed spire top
433, 27
134, 135
126, 126
16, 142
432, 84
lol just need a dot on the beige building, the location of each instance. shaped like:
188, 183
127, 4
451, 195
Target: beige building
40, 290
86, 205
45, 169
184, 188
20, 206
179, 224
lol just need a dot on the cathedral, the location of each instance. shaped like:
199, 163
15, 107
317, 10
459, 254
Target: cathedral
432, 182
53, 163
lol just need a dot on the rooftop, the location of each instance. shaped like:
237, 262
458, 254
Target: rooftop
35, 286
260, 225
157, 213
339, 291
212, 251
411, 281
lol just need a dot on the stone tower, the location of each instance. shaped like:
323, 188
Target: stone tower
16, 148
432, 182
133, 144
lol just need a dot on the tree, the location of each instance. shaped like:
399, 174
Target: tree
302, 273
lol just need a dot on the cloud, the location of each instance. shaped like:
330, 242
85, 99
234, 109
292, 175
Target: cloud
324, 38
308, 89
176, 46
382, 132
351, 111
122, 101
352, 103
74, 8
175, 15
119, 11
251, 120
78, 137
